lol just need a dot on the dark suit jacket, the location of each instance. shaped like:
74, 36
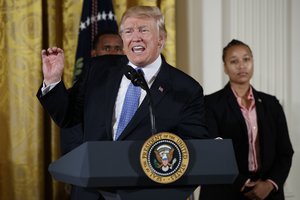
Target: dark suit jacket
177, 99
225, 119
70, 138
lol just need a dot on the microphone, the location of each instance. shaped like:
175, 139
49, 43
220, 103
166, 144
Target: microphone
137, 78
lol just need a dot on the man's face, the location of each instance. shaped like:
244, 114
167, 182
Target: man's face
108, 44
142, 40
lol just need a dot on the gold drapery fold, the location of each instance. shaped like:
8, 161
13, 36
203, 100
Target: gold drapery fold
168, 9
21, 160
29, 140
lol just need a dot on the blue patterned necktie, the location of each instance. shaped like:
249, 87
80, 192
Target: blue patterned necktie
130, 105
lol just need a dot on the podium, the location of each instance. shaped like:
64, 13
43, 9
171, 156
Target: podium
113, 167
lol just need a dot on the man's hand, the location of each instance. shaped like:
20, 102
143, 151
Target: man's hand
53, 64
261, 189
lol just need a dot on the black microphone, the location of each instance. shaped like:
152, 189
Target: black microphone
137, 78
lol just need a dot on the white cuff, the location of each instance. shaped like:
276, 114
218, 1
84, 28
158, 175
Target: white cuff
45, 89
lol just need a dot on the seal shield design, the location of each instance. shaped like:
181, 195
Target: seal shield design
164, 157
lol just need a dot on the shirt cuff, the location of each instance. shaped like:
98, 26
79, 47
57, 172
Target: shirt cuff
274, 184
248, 180
45, 89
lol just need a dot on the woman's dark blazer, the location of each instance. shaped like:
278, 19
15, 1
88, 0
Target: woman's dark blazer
225, 119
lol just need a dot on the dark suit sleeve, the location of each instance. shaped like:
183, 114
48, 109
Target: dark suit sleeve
55, 102
211, 122
284, 151
193, 117
65, 106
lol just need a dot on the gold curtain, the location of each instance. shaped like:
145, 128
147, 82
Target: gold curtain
29, 140
21, 143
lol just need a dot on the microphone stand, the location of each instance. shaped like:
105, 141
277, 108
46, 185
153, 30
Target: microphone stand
150, 103
137, 78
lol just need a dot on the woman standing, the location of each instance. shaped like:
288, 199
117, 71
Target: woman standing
256, 123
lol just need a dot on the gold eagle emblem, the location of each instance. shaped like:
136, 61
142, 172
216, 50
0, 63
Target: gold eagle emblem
164, 157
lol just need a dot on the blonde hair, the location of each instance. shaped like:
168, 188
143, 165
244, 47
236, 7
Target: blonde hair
148, 12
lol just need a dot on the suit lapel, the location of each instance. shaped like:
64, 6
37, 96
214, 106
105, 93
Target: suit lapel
235, 107
158, 90
259, 107
111, 92
260, 123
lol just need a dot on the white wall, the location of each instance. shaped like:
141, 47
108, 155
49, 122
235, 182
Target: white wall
199, 41
271, 28
293, 103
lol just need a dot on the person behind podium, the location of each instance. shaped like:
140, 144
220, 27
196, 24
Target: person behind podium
96, 100
256, 123
107, 43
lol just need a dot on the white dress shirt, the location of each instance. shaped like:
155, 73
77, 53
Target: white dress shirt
150, 73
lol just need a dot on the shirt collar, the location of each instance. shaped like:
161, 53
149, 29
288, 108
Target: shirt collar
249, 97
151, 70
250, 94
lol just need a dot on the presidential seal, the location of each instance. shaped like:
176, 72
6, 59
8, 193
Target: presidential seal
164, 157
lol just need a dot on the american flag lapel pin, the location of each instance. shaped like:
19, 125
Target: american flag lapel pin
161, 89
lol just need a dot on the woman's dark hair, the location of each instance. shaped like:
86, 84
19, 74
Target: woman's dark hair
232, 43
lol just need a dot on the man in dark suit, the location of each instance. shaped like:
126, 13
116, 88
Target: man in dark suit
96, 99
256, 123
